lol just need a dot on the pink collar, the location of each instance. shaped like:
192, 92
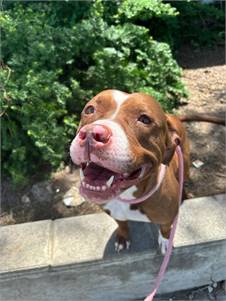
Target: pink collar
149, 193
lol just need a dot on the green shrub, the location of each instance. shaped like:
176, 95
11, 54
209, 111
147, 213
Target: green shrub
178, 22
57, 55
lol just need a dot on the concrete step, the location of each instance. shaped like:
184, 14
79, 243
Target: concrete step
74, 258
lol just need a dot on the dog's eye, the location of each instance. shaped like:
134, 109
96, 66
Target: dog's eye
89, 110
144, 119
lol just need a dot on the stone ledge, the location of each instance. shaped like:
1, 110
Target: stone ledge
67, 258
25, 246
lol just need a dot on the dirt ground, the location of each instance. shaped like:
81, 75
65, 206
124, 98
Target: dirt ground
204, 74
207, 89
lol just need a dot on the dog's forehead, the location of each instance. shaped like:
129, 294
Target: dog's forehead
142, 103
106, 99
121, 102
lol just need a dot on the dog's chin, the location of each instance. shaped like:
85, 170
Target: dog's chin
100, 185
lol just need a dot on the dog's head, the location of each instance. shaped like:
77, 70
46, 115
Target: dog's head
121, 140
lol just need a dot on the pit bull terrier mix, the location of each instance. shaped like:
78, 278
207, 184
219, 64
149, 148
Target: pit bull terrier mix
122, 142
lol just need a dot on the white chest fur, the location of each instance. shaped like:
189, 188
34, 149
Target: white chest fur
122, 212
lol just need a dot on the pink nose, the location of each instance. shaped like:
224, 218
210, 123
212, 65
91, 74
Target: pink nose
95, 133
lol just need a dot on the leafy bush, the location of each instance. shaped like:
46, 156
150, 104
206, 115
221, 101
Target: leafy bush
178, 22
57, 55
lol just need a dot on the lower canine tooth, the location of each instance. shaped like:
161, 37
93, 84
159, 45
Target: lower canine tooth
142, 172
110, 181
81, 174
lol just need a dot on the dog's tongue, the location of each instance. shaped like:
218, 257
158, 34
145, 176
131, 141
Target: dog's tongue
94, 172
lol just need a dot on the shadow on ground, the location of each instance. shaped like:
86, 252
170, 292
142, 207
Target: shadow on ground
190, 58
144, 236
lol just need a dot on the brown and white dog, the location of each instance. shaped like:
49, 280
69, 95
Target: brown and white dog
121, 143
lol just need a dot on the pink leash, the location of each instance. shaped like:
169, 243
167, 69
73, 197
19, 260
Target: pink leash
173, 230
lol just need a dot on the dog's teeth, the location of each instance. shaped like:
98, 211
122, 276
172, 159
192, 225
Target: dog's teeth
142, 172
103, 187
110, 181
81, 174
94, 188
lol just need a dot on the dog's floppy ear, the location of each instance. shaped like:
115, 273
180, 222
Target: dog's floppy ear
172, 140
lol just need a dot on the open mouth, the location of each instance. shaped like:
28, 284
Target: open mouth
100, 184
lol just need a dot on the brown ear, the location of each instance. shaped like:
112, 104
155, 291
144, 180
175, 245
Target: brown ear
172, 140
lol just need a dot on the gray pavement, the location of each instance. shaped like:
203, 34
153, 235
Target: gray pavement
74, 258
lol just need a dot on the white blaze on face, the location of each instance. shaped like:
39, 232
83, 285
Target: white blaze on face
119, 98
118, 153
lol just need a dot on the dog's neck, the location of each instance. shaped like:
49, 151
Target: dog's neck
126, 210
151, 183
